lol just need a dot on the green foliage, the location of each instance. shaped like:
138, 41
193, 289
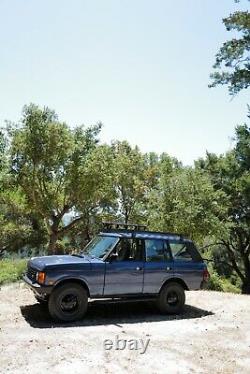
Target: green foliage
130, 180
230, 173
185, 201
232, 66
59, 170
19, 226
218, 283
215, 282
2, 152
11, 270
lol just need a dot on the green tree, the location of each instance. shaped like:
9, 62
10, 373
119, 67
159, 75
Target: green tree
185, 202
59, 170
19, 226
2, 151
131, 177
232, 65
230, 173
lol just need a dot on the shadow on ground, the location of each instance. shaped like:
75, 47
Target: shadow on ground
104, 313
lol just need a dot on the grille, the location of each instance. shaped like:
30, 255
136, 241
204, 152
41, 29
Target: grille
31, 274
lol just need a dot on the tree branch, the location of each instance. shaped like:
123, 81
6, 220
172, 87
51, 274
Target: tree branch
70, 225
233, 260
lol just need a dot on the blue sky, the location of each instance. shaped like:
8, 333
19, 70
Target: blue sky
141, 67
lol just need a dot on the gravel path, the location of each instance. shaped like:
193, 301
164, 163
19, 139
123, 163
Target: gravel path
211, 336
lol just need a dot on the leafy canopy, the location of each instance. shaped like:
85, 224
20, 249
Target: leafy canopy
57, 168
232, 65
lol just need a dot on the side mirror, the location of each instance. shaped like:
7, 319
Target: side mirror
113, 256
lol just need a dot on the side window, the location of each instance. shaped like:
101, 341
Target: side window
180, 251
129, 250
156, 250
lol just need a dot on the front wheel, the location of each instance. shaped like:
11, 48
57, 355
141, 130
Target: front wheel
171, 298
68, 302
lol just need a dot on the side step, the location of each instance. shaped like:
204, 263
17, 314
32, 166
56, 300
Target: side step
121, 300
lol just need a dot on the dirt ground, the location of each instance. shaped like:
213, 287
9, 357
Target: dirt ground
211, 336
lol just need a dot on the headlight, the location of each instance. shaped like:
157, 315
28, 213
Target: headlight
40, 277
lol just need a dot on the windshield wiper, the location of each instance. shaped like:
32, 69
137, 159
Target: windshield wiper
77, 255
92, 256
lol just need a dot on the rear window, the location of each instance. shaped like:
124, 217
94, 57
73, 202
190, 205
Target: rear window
184, 251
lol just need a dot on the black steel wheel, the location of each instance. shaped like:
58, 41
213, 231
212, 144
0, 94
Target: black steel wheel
68, 302
171, 298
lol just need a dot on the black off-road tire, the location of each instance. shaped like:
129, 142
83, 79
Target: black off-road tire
171, 298
68, 302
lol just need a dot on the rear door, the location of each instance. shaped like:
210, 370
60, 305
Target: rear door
124, 275
188, 264
158, 265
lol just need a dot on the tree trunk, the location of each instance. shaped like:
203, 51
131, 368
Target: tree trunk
244, 276
87, 234
126, 218
245, 289
52, 243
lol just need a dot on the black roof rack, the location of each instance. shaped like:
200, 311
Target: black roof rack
120, 226
123, 226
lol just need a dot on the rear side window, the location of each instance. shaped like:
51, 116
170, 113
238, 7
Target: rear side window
156, 250
184, 251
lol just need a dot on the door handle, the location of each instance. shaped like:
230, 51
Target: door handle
138, 268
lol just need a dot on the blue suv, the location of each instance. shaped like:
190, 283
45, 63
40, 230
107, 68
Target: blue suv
122, 262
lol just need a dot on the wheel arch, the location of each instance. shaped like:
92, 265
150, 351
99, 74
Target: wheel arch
175, 280
81, 282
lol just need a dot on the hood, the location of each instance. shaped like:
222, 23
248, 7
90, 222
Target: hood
40, 263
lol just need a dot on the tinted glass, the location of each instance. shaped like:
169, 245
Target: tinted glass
180, 251
100, 246
129, 250
156, 250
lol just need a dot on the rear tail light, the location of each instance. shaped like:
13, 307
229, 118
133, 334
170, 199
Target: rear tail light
206, 275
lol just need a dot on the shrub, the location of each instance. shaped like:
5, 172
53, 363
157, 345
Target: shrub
218, 283
11, 270
215, 282
227, 286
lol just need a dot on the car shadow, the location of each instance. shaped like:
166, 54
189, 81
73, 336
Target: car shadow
110, 313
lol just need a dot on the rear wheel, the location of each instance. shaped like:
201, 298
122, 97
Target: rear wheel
68, 302
171, 298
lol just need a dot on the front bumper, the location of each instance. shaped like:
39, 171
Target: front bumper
41, 291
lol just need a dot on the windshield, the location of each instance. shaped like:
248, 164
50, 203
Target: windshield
100, 246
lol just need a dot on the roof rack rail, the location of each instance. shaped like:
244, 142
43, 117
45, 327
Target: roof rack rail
123, 226
168, 233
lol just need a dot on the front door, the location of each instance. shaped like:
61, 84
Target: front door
124, 273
